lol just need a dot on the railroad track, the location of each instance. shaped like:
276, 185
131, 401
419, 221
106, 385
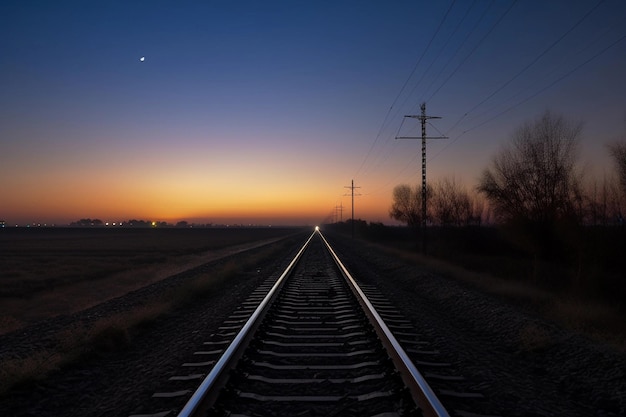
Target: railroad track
308, 343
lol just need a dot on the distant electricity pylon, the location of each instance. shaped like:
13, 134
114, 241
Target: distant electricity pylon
423, 118
352, 187
339, 209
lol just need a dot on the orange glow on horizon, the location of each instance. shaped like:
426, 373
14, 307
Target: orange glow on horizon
181, 203
242, 187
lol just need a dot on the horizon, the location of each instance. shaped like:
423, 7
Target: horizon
178, 224
255, 113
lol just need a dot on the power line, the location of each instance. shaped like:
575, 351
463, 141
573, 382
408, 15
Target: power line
384, 124
465, 39
384, 156
537, 58
525, 89
473, 50
530, 97
433, 61
375, 160
519, 73
551, 84
400, 172
386, 151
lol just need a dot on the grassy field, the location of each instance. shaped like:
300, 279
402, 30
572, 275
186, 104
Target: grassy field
581, 287
50, 271
58, 271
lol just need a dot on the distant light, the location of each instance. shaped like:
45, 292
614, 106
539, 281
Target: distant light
153, 224
143, 58
317, 228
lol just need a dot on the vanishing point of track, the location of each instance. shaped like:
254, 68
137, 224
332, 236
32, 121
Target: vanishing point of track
308, 344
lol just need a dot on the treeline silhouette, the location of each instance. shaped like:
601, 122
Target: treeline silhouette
533, 216
135, 223
584, 261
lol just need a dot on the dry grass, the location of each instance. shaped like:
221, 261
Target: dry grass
62, 272
9, 323
17, 371
115, 332
599, 321
533, 338
105, 335
603, 322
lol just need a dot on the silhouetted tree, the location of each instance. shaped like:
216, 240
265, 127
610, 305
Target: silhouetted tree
618, 151
407, 204
603, 202
480, 211
451, 203
138, 223
534, 187
534, 179
87, 222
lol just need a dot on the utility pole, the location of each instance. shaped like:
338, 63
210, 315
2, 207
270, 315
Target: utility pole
352, 187
423, 118
339, 209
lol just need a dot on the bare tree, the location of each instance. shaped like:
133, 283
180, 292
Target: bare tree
407, 204
535, 179
618, 151
603, 202
451, 203
481, 213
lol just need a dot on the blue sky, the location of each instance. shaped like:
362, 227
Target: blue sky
264, 111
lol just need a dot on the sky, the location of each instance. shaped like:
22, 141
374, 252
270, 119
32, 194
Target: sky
264, 112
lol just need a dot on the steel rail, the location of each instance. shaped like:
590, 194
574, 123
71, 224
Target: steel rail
200, 400
421, 392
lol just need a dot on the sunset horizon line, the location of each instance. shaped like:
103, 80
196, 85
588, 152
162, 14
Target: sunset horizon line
96, 222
